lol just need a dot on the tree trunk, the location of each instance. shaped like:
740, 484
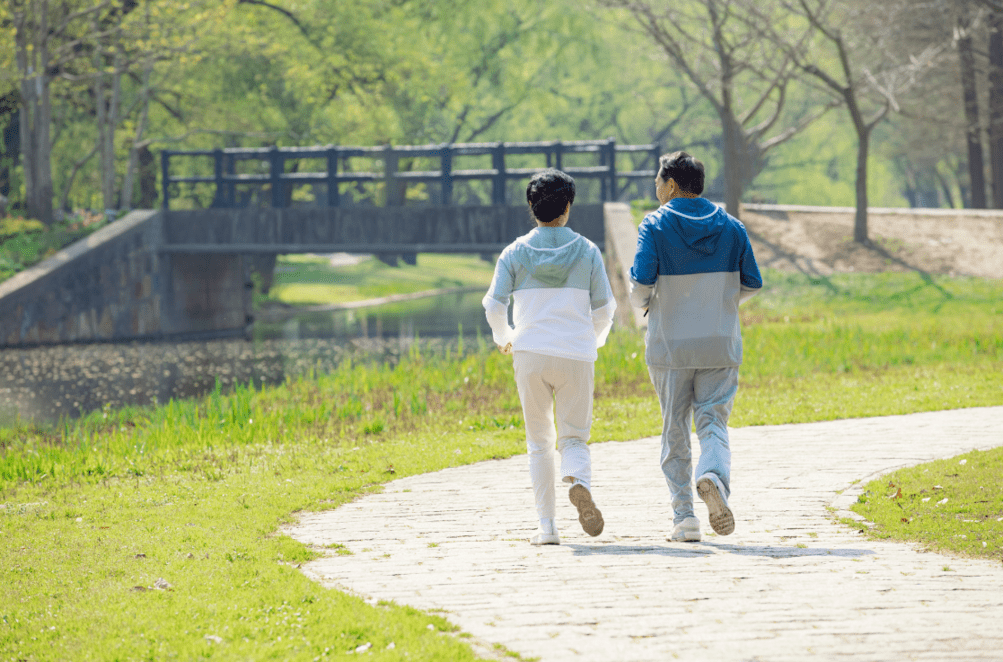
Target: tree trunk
130, 170
732, 142
732, 167
10, 106
976, 167
860, 216
996, 107
147, 179
108, 147
36, 110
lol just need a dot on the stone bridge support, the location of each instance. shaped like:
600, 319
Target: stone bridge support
117, 285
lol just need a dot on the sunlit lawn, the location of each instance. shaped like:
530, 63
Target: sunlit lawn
310, 279
193, 492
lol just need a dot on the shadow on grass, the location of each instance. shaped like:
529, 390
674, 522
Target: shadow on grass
704, 549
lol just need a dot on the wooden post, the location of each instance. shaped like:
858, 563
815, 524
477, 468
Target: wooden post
231, 186
611, 156
333, 195
394, 193
278, 166
559, 155
219, 199
498, 184
165, 175
446, 172
656, 154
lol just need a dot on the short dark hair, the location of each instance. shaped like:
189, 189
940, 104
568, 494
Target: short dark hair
686, 171
549, 193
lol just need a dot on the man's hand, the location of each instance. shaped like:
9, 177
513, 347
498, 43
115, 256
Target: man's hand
507, 349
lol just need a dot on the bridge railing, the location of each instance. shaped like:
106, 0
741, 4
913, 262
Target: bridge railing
225, 178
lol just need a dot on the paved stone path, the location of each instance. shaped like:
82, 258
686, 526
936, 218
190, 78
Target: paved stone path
455, 541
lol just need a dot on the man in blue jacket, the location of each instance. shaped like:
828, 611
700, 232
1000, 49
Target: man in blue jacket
694, 266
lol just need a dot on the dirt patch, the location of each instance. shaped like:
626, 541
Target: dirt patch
931, 241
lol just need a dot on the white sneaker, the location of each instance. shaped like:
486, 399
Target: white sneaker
541, 538
711, 491
686, 531
546, 534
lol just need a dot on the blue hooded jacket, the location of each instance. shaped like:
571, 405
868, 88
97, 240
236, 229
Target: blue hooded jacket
694, 265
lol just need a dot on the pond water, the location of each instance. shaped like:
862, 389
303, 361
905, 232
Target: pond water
47, 383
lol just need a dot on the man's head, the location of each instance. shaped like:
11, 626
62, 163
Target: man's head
549, 194
679, 175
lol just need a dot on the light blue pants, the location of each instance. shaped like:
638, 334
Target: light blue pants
709, 394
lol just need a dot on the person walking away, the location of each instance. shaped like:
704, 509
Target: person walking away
693, 267
563, 312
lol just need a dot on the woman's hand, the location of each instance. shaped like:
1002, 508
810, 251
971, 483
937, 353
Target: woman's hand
507, 349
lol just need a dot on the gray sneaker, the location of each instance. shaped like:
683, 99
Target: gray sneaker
588, 515
712, 492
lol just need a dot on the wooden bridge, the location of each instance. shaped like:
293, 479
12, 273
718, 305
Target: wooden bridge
184, 270
277, 171
247, 203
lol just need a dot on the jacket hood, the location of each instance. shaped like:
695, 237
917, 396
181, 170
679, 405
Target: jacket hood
698, 222
550, 253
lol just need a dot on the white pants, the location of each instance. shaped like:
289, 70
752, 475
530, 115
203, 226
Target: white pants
541, 381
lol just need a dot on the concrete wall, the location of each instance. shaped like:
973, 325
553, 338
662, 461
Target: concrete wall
117, 285
621, 244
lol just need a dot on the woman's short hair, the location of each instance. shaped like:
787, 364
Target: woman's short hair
687, 172
549, 193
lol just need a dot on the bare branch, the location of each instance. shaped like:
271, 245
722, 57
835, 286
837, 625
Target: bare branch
285, 12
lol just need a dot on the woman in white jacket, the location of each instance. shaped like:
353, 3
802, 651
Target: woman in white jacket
563, 313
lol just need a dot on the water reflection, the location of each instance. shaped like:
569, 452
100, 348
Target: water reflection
47, 383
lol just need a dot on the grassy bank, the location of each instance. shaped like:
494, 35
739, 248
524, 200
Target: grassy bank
953, 505
96, 511
312, 280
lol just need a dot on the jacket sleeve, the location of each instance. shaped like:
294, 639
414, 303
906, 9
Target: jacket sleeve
496, 302
644, 273
602, 300
752, 281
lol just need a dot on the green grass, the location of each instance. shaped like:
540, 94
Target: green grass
199, 488
953, 505
311, 280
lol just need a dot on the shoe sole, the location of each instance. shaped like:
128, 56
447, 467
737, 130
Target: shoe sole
687, 537
721, 519
588, 515
539, 541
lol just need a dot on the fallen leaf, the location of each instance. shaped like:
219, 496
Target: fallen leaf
140, 556
215, 638
162, 584
363, 648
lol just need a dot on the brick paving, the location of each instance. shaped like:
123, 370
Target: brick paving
789, 584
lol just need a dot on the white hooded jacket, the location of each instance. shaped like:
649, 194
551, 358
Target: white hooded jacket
563, 302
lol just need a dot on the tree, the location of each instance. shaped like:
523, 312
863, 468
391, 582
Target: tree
715, 45
856, 63
970, 95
